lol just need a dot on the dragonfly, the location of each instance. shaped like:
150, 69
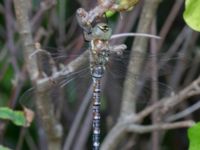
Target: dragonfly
98, 59
100, 55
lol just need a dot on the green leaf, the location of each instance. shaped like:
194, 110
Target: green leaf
192, 14
194, 137
109, 13
4, 148
17, 117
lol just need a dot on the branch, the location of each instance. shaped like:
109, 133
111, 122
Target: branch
85, 19
165, 104
141, 129
168, 103
43, 99
130, 88
155, 116
184, 113
66, 70
122, 128
77, 121
139, 49
25, 31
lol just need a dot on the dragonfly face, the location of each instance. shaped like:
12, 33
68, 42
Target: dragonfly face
101, 32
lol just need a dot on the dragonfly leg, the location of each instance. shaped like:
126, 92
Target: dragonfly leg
118, 49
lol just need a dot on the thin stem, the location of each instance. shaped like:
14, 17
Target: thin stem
139, 49
184, 113
154, 86
164, 126
134, 35
76, 123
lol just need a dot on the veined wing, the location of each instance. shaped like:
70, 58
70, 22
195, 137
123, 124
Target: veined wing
116, 69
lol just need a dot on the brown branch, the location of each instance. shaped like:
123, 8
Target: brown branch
44, 7
43, 100
84, 132
194, 69
181, 66
174, 47
10, 33
77, 121
165, 105
155, 117
122, 128
186, 112
130, 88
169, 21
156, 127
139, 49
70, 68
85, 19
25, 31
168, 103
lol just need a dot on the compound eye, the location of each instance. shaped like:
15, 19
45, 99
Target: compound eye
103, 27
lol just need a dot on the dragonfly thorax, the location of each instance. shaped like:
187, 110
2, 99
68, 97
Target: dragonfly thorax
103, 57
99, 50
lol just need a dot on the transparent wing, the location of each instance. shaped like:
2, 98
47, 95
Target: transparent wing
118, 68
78, 81
27, 99
118, 64
58, 90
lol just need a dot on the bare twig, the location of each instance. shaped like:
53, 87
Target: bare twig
77, 121
180, 65
131, 17
130, 88
139, 49
134, 35
84, 131
174, 47
44, 6
10, 38
25, 31
164, 105
85, 19
169, 102
21, 138
43, 101
154, 86
124, 127
70, 68
30, 142
169, 21
163, 126
184, 113
194, 69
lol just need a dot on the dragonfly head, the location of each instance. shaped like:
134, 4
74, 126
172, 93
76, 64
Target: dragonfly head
101, 31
